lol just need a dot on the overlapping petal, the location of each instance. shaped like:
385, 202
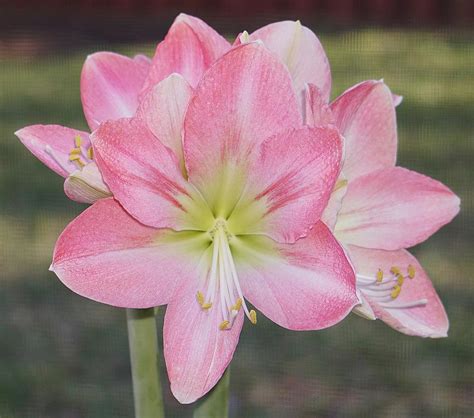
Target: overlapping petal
163, 109
365, 116
189, 49
51, 144
289, 184
107, 256
110, 85
307, 285
243, 99
196, 351
394, 208
144, 175
317, 111
86, 185
429, 320
300, 50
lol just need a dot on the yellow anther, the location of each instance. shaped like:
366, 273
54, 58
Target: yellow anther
237, 306
379, 275
74, 157
340, 184
400, 279
224, 325
253, 317
90, 153
411, 271
395, 270
80, 163
206, 305
75, 151
396, 291
78, 141
200, 298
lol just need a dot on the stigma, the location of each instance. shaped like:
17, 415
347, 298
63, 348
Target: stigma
385, 287
222, 282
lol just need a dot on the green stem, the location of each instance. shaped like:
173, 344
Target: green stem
144, 362
216, 403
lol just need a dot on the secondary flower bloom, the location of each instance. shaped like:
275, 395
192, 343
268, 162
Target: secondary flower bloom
110, 86
377, 210
224, 216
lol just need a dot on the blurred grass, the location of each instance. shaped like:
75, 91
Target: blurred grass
65, 356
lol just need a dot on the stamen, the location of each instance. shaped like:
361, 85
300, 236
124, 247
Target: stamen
395, 270
224, 325
396, 291
253, 316
400, 279
411, 271
200, 298
90, 153
379, 275
78, 141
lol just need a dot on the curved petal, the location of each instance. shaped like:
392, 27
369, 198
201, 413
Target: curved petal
196, 351
289, 184
106, 255
244, 98
394, 208
307, 285
317, 111
365, 116
428, 320
300, 50
163, 109
144, 176
86, 185
189, 48
51, 144
110, 85
331, 212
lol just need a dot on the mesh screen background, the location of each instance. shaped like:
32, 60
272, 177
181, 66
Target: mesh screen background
63, 356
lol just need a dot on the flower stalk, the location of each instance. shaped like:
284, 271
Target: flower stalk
216, 403
143, 344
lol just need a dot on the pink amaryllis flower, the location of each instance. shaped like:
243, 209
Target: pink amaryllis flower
225, 216
110, 86
377, 210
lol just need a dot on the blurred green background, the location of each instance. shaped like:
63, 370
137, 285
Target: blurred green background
63, 356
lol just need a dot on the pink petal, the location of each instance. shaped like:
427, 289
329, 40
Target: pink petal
196, 351
143, 174
110, 84
51, 144
365, 115
331, 212
107, 256
394, 208
429, 320
86, 185
317, 111
163, 110
189, 48
300, 50
244, 98
307, 285
397, 100
291, 178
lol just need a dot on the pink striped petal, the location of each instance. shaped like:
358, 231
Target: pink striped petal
51, 144
107, 256
394, 208
86, 185
189, 48
300, 50
196, 351
110, 85
163, 110
289, 184
307, 285
317, 110
243, 99
365, 115
143, 174
429, 320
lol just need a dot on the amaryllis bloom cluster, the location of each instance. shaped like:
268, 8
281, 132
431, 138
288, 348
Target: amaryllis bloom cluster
220, 173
